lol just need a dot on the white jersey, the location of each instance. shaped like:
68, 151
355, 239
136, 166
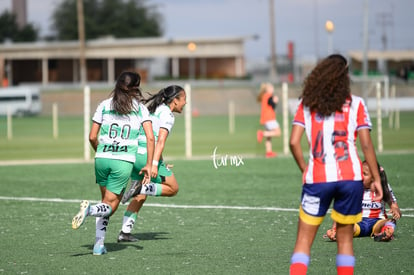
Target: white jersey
375, 209
163, 117
118, 136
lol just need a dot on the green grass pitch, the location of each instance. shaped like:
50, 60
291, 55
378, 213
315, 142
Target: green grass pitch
236, 219
230, 220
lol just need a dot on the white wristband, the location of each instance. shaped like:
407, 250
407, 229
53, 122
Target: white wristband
155, 162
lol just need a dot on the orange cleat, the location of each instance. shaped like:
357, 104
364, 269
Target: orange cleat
271, 155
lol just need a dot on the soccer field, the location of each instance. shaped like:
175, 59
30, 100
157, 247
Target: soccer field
238, 218
230, 220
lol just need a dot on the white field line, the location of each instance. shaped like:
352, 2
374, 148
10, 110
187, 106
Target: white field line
276, 209
155, 204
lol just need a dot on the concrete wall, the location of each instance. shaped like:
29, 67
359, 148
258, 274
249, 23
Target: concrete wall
212, 100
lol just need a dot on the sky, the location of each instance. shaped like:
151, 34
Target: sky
299, 21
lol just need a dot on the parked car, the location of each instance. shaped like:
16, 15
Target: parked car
19, 101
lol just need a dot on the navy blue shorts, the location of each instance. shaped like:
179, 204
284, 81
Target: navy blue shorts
346, 197
366, 226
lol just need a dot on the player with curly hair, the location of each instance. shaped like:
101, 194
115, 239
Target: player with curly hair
332, 119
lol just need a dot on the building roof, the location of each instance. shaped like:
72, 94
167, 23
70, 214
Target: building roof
126, 48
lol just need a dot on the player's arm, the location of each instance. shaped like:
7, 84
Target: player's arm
272, 102
371, 159
395, 211
93, 135
295, 146
149, 134
159, 148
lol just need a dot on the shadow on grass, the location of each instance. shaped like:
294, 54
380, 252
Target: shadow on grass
151, 236
110, 247
115, 246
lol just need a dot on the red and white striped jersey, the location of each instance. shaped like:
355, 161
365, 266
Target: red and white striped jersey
375, 209
333, 154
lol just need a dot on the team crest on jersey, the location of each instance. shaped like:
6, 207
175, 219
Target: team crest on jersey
319, 117
346, 106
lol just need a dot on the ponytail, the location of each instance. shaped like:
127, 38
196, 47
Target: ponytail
165, 95
125, 92
384, 183
386, 193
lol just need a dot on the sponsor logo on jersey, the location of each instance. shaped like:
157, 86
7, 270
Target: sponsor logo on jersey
115, 148
371, 205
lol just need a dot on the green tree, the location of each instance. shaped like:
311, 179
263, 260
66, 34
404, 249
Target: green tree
9, 30
117, 18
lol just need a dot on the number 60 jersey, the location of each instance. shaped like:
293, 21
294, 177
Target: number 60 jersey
118, 137
332, 140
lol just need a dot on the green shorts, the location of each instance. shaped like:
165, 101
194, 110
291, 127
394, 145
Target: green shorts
113, 174
141, 160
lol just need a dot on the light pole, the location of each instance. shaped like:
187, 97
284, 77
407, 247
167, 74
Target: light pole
365, 50
273, 62
81, 36
329, 27
315, 6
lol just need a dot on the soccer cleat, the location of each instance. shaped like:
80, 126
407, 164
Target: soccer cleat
271, 155
99, 249
379, 237
134, 190
386, 235
126, 237
78, 220
259, 136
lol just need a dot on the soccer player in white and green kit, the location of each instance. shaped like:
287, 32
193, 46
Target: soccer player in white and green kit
163, 182
114, 137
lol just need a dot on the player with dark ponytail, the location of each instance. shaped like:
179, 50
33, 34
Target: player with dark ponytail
114, 134
164, 96
375, 221
161, 106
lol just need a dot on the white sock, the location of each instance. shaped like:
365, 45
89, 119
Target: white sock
128, 222
101, 225
151, 189
100, 210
